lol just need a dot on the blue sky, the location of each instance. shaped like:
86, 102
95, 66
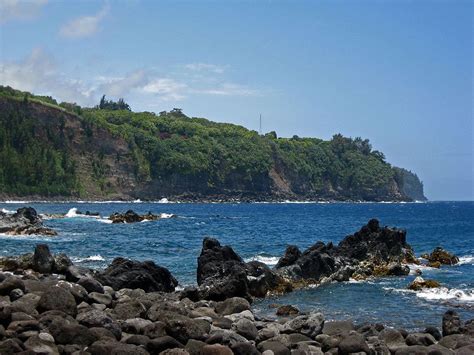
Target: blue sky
396, 72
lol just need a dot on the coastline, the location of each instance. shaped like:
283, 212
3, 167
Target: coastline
55, 307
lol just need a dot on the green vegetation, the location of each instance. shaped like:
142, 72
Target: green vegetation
191, 155
29, 165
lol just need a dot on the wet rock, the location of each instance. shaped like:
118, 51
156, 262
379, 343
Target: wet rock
148, 276
57, 298
455, 341
287, 310
24, 222
451, 323
132, 217
292, 254
440, 256
434, 332
419, 283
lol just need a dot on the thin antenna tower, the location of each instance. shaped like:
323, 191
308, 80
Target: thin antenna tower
260, 125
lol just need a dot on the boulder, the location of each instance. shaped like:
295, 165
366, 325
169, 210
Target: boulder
309, 325
221, 273
420, 339
43, 261
11, 283
246, 328
57, 298
353, 342
292, 254
232, 305
419, 283
123, 273
439, 256
451, 323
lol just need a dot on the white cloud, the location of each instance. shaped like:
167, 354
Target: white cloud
168, 89
229, 89
199, 67
38, 73
84, 26
121, 86
20, 9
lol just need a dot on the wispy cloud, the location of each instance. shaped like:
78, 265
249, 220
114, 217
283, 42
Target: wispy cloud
84, 26
20, 9
228, 89
39, 73
201, 67
168, 89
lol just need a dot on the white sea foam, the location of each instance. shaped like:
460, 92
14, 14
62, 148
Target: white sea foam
443, 293
71, 213
4, 210
466, 259
91, 258
104, 220
164, 200
166, 215
269, 260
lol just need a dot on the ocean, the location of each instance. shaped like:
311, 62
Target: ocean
262, 232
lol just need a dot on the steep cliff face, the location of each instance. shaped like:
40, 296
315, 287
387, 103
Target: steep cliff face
410, 184
46, 151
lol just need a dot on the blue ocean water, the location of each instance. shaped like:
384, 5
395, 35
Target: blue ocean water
262, 231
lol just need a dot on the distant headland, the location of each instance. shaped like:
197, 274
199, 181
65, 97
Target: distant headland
52, 150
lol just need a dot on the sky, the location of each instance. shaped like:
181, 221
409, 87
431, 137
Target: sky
399, 73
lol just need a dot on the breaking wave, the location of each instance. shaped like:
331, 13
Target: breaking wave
269, 260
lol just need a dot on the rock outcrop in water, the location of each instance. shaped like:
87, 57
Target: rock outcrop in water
24, 221
132, 217
372, 251
221, 274
439, 257
42, 313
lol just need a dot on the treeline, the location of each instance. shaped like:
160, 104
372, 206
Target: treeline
189, 154
30, 164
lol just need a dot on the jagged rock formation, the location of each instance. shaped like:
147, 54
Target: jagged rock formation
24, 222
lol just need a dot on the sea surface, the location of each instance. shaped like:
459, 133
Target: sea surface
262, 232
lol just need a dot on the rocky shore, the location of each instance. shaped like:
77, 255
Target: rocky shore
24, 221
48, 305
